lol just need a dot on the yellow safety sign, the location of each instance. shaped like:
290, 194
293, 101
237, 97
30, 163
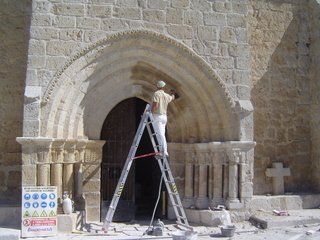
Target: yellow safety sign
52, 214
35, 214
43, 214
26, 214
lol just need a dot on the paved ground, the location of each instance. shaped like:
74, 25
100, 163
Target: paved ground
244, 231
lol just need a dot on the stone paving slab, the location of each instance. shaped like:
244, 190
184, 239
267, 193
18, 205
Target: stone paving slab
9, 234
296, 217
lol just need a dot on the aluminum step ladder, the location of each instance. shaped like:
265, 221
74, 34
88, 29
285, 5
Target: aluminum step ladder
147, 122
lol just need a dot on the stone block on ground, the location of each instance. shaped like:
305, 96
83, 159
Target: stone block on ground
67, 222
284, 202
208, 217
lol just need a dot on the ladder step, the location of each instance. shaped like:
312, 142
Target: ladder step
172, 193
172, 182
177, 205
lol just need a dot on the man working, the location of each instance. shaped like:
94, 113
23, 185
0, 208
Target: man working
160, 101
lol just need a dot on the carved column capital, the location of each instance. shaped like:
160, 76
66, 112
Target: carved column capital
69, 151
57, 148
234, 156
81, 147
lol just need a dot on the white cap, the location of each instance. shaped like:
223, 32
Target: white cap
161, 84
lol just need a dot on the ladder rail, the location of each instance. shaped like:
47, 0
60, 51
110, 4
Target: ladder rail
174, 198
165, 167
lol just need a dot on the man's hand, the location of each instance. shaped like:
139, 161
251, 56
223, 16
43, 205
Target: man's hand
174, 93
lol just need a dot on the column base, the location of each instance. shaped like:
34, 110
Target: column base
234, 204
214, 202
187, 202
202, 203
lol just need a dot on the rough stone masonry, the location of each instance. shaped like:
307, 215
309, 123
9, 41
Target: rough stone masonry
248, 70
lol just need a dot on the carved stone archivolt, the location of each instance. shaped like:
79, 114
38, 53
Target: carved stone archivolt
127, 64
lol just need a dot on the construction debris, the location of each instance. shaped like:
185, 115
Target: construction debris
280, 213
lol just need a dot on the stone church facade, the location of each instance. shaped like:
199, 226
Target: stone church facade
247, 73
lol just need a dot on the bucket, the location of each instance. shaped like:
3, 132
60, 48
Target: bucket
184, 235
228, 230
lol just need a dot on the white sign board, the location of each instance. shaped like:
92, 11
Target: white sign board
39, 211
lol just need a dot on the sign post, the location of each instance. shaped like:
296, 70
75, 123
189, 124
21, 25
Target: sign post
39, 211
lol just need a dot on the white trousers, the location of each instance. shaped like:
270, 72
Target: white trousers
160, 122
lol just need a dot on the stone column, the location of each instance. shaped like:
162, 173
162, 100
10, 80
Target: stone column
233, 201
246, 180
188, 186
210, 175
216, 169
56, 165
43, 161
92, 175
69, 160
78, 171
202, 197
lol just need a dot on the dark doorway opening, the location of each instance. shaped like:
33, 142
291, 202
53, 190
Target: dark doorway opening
141, 189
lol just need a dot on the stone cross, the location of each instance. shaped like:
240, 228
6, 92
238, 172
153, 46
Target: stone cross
277, 173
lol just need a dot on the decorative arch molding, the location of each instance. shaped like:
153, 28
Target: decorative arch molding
127, 64
55, 82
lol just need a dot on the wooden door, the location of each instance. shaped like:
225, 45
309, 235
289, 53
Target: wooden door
118, 130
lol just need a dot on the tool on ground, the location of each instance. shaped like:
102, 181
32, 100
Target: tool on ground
147, 121
157, 228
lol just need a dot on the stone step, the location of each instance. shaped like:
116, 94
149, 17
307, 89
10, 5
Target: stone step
284, 202
267, 219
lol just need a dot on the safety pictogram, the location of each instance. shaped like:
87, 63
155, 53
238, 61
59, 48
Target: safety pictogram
26, 214
26, 222
35, 214
52, 214
43, 214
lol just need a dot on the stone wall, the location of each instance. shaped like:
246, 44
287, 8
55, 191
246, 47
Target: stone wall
215, 30
315, 89
280, 48
15, 20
